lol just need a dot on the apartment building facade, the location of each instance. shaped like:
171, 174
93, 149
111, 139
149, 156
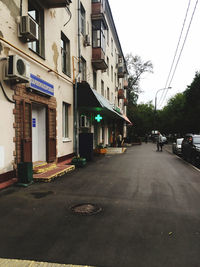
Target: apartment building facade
62, 80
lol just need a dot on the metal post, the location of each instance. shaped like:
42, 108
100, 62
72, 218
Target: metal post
75, 121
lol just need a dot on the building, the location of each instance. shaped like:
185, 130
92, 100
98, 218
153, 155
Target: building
63, 76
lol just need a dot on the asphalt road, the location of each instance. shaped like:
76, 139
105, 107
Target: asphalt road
150, 214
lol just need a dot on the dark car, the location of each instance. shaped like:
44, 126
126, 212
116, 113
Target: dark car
191, 149
177, 146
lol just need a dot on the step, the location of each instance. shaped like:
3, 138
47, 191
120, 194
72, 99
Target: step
8, 183
51, 174
116, 150
44, 168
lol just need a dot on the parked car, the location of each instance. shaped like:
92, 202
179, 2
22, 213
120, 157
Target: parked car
191, 149
164, 139
176, 146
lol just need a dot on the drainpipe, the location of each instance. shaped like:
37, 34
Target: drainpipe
79, 38
76, 114
20, 8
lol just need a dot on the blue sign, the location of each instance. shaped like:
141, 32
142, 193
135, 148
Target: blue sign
41, 85
33, 122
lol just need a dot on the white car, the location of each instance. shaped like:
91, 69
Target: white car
164, 139
176, 146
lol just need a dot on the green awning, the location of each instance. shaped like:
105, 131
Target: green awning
90, 99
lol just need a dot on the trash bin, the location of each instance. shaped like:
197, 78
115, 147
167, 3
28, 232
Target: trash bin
25, 172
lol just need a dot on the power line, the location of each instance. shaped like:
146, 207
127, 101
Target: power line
176, 49
175, 68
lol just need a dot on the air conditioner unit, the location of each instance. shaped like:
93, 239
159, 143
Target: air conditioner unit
84, 122
86, 40
120, 61
16, 70
28, 29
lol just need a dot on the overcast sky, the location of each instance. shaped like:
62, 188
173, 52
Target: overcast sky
151, 29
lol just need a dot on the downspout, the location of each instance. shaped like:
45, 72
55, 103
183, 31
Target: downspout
79, 37
76, 115
20, 8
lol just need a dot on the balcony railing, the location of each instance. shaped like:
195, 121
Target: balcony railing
98, 13
97, 8
55, 3
125, 84
125, 102
121, 72
121, 94
98, 59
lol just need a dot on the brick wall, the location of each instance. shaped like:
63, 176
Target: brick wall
21, 93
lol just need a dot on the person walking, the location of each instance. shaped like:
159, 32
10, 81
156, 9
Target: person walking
159, 142
119, 140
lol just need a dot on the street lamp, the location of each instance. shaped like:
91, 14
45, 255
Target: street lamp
156, 103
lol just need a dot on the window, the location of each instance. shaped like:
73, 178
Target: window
108, 37
112, 73
98, 35
112, 97
65, 54
116, 57
83, 69
65, 120
102, 88
111, 46
37, 13
108, 93
95, 80
83, 24
108, 66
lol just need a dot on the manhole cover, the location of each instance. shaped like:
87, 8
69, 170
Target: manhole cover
86, 209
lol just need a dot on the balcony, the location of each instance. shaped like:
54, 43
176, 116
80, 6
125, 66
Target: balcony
55, 3
121, 72
125, 102
121, 94
125, 84
98, 13
98, 59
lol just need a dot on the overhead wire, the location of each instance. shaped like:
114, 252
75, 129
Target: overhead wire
183, 26
180, 53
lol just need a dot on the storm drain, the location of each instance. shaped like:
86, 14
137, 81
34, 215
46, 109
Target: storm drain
86, 209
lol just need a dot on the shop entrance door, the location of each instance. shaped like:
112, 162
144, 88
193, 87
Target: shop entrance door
38, 132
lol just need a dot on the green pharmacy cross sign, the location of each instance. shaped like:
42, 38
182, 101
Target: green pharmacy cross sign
98, 118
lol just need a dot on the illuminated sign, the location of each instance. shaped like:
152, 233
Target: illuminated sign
41, 86
98, 118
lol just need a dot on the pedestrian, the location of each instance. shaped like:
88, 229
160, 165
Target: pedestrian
159, 142
119, 140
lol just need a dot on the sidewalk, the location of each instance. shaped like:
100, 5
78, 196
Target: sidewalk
26, 263
168, 147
